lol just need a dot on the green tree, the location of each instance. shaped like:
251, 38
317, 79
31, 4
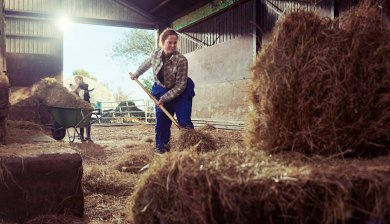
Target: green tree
148, 81
84, 73
134, 47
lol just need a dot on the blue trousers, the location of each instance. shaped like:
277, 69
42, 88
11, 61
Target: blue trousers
181, 105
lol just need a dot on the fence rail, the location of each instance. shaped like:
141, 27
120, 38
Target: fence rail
143, 112
132, 111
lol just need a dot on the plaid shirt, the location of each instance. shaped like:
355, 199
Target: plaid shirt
175, 72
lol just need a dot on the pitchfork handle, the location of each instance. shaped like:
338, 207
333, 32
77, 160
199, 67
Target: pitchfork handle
156, 102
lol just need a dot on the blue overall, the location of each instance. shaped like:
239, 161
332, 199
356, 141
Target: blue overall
181, 105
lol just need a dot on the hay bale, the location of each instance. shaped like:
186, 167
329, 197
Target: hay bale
26, 132
4, 107
197, 140
103, 180
51, 93
24, 125
4, 95
134, 161
322, 86
245, 186
55, 219
38, 179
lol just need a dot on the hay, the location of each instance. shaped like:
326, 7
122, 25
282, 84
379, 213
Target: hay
54, 219
4, 107
102, 180
134, 161
105, 208
322, 86
208, 127
24, 125
23, 132
197, 140
246, 186
51, 93
19, 94
4, 95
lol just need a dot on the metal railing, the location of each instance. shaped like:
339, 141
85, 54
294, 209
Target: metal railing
143, 112
125, 112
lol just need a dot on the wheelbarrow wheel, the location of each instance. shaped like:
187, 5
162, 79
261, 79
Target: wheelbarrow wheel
58, 132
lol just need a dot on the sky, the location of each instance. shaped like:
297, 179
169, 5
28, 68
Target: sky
89, 47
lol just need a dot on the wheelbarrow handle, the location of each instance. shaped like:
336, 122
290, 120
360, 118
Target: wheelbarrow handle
156, 102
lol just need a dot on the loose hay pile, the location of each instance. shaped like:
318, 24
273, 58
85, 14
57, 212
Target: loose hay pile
208, 127
197, 140
135, 161
23, 132
238, 186
51, 93
24, 125
103, 180
21, 95
322, 86
55, 219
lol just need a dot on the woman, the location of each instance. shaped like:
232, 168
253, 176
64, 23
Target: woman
172, 88
81, 89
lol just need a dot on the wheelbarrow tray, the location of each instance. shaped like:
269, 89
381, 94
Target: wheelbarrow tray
71, 117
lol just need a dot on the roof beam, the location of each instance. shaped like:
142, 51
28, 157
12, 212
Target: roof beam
12, 14
203, 13
137, 9
159, 6
274, 8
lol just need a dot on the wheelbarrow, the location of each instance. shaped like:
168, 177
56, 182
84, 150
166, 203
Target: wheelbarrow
69, 118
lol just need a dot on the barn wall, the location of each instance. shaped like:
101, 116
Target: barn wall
221, 74
33, 51
220, 66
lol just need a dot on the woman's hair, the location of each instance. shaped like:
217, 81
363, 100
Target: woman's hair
79, 77
164, 35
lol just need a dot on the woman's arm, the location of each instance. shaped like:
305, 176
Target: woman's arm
145, 65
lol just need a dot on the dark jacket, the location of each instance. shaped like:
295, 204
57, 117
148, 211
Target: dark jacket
84, 86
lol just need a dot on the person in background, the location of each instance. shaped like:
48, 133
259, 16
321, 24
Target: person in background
81, 89
172, 88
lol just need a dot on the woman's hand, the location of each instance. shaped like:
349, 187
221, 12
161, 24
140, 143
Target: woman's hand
132, 76
160, 104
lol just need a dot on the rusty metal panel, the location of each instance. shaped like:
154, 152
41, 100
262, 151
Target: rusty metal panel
230, 24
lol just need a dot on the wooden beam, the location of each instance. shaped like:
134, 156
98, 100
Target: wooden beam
136, 9
274, 8
159, 6
97, 21
203, 13
32, 36
194, 7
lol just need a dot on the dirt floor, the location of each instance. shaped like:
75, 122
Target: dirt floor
107, 183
